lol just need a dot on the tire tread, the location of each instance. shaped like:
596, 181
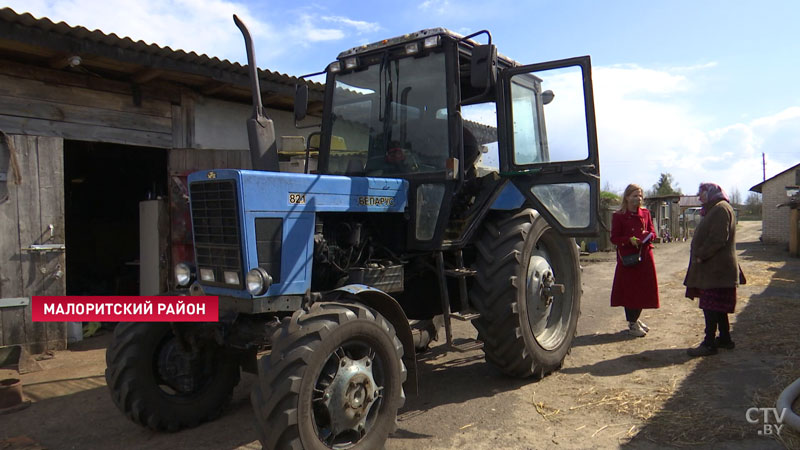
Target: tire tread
275, 397
494, 294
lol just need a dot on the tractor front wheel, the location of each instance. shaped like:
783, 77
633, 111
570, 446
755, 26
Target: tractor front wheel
334, 379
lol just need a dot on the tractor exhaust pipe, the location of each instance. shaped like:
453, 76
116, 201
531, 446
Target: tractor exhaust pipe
260, 130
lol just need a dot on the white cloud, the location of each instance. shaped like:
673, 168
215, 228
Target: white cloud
309, 30
695, 68
633, 80
775, 121
359, 25
435, 6
646, 127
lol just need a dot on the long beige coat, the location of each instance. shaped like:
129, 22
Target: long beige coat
712, 262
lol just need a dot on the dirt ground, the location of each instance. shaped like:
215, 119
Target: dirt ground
613, 391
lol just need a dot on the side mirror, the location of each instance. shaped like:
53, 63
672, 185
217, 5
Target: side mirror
547, 96
300, 102
483, 67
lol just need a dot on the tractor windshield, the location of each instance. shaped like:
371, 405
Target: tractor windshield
390, 118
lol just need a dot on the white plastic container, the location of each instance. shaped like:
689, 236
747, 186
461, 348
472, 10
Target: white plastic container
74, 332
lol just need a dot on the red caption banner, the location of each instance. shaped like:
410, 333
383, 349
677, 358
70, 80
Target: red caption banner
125, 309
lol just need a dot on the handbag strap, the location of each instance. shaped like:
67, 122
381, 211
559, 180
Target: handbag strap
641, 247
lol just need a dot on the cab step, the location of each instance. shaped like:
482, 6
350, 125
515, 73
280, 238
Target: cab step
460, 272
465, 316
468, 346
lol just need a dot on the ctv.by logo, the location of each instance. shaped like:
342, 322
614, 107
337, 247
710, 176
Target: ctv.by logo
769, 428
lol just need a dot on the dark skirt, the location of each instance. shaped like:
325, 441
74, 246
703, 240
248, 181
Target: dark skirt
716, 299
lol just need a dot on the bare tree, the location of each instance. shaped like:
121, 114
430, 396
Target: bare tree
753, 204
607, 187
736, 197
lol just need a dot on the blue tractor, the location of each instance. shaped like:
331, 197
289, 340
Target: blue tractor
438, 195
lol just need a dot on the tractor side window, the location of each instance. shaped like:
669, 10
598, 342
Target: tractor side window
429, 202
569, 203
528, 143
554, 97
480, 120
353, 126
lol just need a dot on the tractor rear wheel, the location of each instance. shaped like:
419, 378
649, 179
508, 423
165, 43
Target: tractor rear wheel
526, 322
159, 384
334, 379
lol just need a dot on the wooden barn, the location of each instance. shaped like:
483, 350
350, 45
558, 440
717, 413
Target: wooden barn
94, 129
665, 212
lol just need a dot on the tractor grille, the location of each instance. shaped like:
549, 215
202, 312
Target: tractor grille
215, 219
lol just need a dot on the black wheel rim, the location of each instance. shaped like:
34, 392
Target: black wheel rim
178, 373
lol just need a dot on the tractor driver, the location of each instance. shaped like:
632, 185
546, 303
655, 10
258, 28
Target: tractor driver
400, 158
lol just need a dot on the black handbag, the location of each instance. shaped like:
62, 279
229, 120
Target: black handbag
632, 259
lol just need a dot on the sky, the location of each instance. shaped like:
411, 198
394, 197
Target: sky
699, 89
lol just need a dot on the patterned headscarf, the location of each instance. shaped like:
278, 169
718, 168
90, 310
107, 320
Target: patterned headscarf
714, 193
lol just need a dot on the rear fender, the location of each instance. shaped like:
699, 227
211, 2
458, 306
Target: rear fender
388, 307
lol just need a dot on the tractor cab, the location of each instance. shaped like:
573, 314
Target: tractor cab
465, 126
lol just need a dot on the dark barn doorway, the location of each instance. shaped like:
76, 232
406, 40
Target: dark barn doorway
103, 185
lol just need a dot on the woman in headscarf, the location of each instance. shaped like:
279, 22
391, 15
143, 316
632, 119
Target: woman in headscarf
713, 272
635, 287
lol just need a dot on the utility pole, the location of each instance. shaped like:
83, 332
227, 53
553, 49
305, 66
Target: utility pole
763, 167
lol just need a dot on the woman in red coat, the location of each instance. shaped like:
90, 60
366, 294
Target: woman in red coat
635, 287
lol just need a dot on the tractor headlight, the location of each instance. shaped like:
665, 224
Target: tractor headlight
183, 274
231, 277
258, 281
351, 63
207, 275
432, 41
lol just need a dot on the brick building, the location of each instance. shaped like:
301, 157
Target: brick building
775, 225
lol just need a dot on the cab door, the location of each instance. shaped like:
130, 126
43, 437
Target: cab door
548, 141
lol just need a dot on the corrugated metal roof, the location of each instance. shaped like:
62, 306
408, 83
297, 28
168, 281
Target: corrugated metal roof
97, 36
688, 201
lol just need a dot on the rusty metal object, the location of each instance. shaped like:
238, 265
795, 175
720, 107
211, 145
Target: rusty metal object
10, 393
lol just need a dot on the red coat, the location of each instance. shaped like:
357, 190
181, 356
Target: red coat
634, 286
